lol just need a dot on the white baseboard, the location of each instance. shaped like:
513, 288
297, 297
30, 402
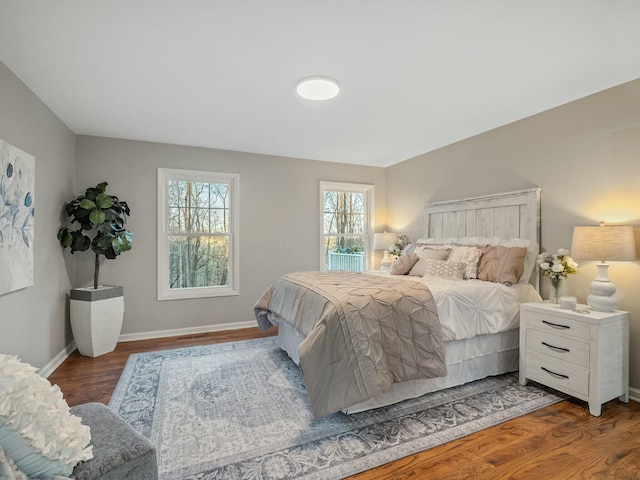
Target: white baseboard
50, 367
634, 394
176, 332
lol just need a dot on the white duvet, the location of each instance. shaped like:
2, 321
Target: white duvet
468, 308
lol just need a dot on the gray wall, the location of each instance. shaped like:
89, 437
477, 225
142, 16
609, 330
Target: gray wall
586, 157
33, 320
279, 231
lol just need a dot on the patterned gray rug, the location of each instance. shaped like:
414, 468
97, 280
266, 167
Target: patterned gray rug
239, 410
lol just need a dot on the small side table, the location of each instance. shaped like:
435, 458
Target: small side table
581, 352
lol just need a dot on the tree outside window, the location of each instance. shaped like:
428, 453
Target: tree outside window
345, 226
197, 239
199, 248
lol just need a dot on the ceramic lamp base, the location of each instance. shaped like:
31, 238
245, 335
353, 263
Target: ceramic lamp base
602, 290
386, 261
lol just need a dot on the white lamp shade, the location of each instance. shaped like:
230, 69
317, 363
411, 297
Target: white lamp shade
604, 242
382, 241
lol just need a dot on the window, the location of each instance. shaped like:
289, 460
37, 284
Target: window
345, 217
197, 234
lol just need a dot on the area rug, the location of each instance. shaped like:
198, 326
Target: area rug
240, 410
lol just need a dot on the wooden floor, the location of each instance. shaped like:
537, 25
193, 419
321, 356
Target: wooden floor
561, 442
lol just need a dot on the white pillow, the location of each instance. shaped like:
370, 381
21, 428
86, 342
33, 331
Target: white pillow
445, 269
469, 256
36, 429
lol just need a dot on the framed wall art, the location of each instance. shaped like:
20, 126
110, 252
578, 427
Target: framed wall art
17, 213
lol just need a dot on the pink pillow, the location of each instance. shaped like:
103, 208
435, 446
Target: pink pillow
403, 264
501, 264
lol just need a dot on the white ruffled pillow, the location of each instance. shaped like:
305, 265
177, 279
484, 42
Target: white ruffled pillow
469, 256
36, 429
8, 469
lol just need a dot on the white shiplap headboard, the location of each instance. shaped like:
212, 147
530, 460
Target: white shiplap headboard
504, 215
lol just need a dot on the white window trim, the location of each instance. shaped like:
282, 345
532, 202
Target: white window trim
164, 292
369, 191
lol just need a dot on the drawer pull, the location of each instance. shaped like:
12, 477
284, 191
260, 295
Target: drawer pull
556, 325
559, 375
553, 347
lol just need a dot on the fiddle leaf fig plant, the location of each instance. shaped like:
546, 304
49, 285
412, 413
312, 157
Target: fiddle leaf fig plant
105, 216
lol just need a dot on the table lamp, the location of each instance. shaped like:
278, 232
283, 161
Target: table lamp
604, 243
382, 241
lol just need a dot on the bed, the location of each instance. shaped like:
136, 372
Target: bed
478, 319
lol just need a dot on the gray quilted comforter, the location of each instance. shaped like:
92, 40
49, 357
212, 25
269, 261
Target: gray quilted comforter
363, 333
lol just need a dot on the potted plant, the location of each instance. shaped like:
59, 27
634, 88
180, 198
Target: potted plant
96, 313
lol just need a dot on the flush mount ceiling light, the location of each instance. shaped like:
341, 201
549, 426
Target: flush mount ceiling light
318, 88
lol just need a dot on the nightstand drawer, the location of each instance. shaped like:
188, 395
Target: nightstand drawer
563, 348
558, 325
556, 374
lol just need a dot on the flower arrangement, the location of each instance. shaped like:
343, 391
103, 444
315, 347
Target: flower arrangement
397, 248
557, 266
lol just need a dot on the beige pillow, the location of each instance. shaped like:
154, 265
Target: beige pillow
403, 264
502, 264
425, 254
445, 269
432, 253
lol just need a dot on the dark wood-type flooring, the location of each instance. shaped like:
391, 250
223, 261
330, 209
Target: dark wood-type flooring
561, 442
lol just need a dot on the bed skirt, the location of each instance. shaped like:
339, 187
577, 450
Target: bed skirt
467, 360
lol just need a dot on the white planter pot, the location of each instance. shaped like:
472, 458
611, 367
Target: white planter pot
96, 318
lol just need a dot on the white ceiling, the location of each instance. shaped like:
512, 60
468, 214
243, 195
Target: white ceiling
416, 75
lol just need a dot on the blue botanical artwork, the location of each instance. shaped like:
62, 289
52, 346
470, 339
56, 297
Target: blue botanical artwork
17, 182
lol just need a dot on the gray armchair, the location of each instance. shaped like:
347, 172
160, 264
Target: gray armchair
119, 451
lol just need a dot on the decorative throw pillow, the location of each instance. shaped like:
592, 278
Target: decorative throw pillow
502, 264
445, 269
434, 252
36, 429
529, 259
402, 265
424, 254
8, 469
470, 256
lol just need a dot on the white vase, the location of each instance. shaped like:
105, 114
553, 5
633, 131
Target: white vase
96, 318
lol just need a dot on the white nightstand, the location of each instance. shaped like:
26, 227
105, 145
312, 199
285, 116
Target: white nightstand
583, 354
